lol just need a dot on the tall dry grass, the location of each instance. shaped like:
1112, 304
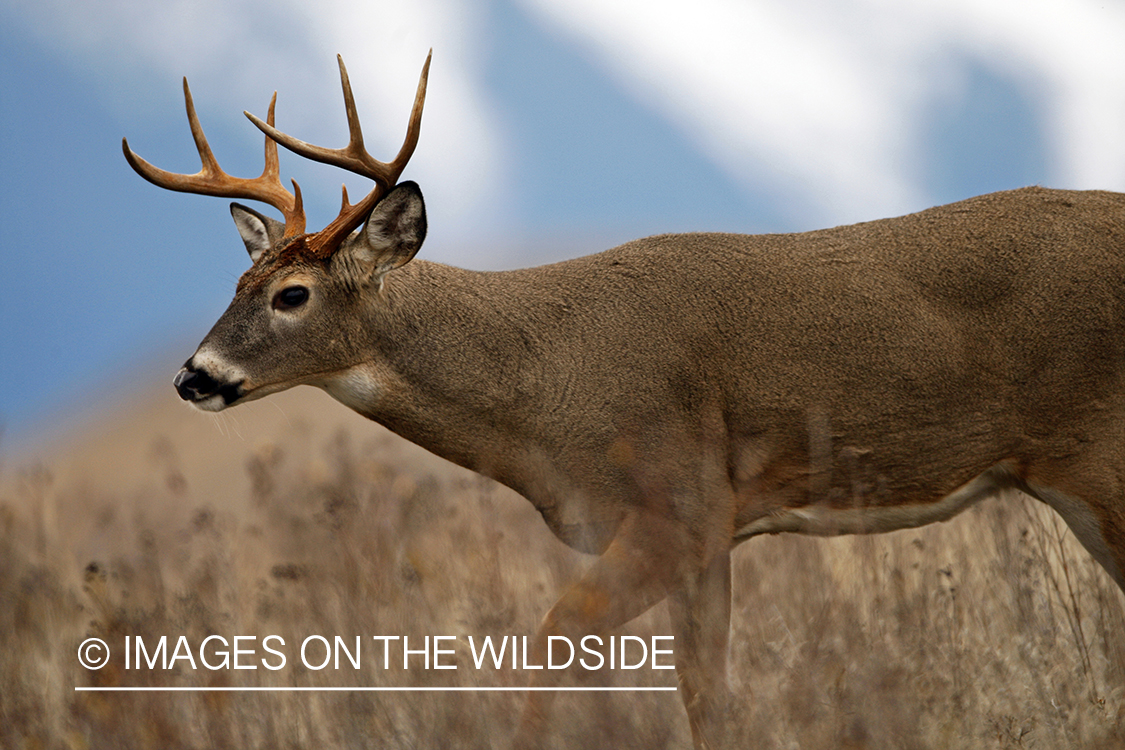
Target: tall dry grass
992, 631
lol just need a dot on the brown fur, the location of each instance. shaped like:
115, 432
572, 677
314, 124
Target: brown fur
663, 400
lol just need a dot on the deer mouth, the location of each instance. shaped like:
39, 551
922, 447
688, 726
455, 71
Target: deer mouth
202, 390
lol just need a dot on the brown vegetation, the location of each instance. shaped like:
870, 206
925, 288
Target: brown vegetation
294, 518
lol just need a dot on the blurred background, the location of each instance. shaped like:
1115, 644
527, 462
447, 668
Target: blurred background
553, 128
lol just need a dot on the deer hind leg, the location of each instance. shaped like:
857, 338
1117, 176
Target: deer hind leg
1099, 526
631, 576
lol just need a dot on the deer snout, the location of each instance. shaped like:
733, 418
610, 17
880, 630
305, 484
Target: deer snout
201, 388
193, 384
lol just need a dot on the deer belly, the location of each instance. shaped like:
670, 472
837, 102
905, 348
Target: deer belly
825, 520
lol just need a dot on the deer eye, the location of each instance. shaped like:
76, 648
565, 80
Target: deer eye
290, 297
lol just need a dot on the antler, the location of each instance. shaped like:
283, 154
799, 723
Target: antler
212, 180
354, 158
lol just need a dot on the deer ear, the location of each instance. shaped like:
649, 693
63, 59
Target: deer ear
258, 232
394, 232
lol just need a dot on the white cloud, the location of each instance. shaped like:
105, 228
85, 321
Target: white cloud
830, 94
1072, 52
823, 100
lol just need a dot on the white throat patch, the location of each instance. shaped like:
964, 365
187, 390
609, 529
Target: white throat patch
359, 388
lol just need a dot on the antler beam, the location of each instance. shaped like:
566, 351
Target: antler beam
354, 158
212, 180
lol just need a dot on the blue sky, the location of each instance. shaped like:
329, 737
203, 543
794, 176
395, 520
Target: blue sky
553, 128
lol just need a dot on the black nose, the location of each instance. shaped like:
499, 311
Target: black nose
193, 384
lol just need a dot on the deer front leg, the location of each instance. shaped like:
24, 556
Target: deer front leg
700, 614
633, 574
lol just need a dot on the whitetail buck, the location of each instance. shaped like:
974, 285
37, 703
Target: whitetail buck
664, 400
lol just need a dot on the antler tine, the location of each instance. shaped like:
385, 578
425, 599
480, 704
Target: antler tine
414, 127
354, 157
212, 180
355, 152
272, 172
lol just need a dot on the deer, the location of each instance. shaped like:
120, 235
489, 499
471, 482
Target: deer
665, 400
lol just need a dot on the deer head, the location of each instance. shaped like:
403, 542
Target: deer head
284, 327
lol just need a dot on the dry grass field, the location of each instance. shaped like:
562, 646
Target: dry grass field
294, 517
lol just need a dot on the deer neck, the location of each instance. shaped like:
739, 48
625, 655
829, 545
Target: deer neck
445, 369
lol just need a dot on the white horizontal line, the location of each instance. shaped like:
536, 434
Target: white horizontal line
362, 689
